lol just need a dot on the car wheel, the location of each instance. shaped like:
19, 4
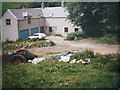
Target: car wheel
29, 39
17, 59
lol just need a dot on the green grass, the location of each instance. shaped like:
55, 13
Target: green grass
108, 40
50, 53
10, 45
58, 35
99, 73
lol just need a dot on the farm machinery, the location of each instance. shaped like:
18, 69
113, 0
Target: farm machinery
21, 56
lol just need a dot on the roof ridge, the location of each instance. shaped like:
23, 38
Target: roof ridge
23, 8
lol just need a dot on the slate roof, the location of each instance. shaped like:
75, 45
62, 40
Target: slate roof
36, 12
55, 12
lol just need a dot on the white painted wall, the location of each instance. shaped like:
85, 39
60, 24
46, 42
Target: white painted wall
60, 23
9, 31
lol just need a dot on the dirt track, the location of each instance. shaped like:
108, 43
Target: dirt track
81, 45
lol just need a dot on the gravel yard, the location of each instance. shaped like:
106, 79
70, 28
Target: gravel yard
63, 45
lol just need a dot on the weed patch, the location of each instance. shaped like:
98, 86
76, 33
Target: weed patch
76, 36
25, 44
108, 40
58, 35
53, 74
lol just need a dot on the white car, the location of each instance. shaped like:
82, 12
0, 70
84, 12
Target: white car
37, 36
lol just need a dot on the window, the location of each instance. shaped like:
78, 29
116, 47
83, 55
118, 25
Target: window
42, 29
50, 29
66, 29
29, 20
76, 29
8, 22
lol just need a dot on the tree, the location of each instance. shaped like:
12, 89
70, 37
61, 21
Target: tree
95, 18
52, 4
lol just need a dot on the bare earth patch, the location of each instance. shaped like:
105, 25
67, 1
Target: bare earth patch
81, 45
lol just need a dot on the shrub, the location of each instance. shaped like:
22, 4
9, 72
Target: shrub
70, 36
78, 56
76, 36
30, 55
83, 55
89, 53
58, 35
19, 40
7, 41
51, 43
43, 44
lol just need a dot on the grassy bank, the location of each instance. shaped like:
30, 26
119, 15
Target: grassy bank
108, 40
99, 73
10, 45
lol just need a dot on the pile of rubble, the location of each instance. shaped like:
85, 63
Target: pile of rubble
36, 60
65, 57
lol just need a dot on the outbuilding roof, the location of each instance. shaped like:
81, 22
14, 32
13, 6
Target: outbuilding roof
38, 12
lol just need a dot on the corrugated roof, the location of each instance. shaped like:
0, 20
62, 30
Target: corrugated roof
35, 12
55, 12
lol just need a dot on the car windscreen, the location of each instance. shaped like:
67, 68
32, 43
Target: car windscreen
35, 35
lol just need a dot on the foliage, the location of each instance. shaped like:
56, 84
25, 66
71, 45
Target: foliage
51, 43
53, 74
25, 44
96, 18
108, 40
8, 41
52, 4
50, 53
58, 35
30, 55
76, 36
83, 55
16, 5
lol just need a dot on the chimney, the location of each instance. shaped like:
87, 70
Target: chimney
62, 3
42, 4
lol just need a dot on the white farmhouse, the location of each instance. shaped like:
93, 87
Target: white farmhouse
21, 23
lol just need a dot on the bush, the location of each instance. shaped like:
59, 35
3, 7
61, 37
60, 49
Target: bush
19, 40
89, 53
58, 35
51, 43
78, 56
83, 55
7, 41
44, 44
76, 36
30, 55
